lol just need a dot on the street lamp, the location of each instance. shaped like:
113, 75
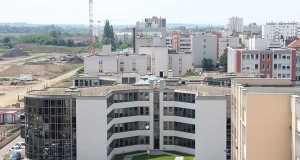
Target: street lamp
148, 152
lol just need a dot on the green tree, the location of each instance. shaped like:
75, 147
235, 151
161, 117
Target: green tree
70, 43
223, 60
55, 34
207, 64
108, 35
61, 42
6, 40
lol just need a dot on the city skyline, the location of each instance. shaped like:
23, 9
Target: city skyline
175, 11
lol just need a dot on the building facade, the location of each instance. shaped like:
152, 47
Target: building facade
254, 117
258, 43
273, 63
126, 118
235, 24
278, 32
225, 42
205, 46
182, 41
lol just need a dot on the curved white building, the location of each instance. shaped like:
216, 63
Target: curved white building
125, 118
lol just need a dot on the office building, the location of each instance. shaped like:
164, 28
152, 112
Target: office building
100, 122
152, 32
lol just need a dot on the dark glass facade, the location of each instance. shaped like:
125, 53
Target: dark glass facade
50, 128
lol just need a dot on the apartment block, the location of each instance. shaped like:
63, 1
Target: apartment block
273, 63
100, 122
150, 60
205, 46
225, 42
265, 117
235, 24
280, 31
182, 41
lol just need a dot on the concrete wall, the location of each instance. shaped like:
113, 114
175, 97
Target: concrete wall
178, 67
231, 61
91, 128
211, 128
205, 46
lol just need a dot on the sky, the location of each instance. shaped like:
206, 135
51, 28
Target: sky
119, 12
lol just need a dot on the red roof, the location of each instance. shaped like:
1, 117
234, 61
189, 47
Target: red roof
294, 44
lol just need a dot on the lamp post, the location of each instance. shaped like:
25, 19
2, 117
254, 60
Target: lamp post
148, 152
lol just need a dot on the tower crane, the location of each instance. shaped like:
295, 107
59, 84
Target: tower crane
91, 47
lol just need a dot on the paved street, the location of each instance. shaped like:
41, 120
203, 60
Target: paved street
5, 149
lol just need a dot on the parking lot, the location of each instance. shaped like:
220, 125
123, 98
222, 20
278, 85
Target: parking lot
5, 149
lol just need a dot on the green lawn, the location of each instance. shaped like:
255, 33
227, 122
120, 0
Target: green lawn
159, 157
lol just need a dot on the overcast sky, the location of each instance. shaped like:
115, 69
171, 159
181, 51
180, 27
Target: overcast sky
130, 11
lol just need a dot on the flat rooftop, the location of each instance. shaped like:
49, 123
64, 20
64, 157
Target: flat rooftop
198, 89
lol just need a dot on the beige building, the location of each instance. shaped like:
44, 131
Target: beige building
265, 117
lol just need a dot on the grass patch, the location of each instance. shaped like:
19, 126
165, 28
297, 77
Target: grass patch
122, 156
186, 156
2, 94
6, 157
152, 157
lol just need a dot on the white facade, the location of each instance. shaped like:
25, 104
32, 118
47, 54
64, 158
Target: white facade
275, 31
159, 58
180, 63
207, 114
258, 43
205, 46
117, 64
235, 24
225, 42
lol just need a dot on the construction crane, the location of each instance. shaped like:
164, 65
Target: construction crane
91, 28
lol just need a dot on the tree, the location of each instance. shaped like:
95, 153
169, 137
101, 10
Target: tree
6, 40
207, 64
61, 42
108, 35
70, 43
223, 60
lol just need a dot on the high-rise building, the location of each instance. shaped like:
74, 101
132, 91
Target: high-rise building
100, 122
152, 32
182, 41
265, 119
235, 24
278, 32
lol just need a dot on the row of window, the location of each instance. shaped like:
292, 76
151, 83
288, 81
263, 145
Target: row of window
87, 83
126, 127
179, 97
283, 76
128, 112
178, 126
128, 141
127, 97
265, 56
179, 112
178, 141
47, 102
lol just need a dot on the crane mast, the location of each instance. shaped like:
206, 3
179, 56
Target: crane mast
91, 47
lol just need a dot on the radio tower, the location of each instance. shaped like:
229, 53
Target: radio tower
91, 47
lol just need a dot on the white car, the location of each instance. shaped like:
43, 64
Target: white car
14, 149
21, 144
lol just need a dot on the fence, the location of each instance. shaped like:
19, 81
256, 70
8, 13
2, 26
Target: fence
6, 130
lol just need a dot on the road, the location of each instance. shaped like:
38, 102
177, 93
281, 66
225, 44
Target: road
12, 97
5, 149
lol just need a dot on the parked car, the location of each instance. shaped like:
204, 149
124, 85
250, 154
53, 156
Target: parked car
15, 156
21, 144
14, 149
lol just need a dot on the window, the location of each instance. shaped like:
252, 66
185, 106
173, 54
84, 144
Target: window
268, 56
288, 67
243, 57
275, 66
252, 57
256, 66
204, 40
268, 66
263, 67
263, 57
204, 46
100, 62
204, 52
256, 56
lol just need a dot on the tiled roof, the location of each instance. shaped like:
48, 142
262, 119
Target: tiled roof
295, 44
